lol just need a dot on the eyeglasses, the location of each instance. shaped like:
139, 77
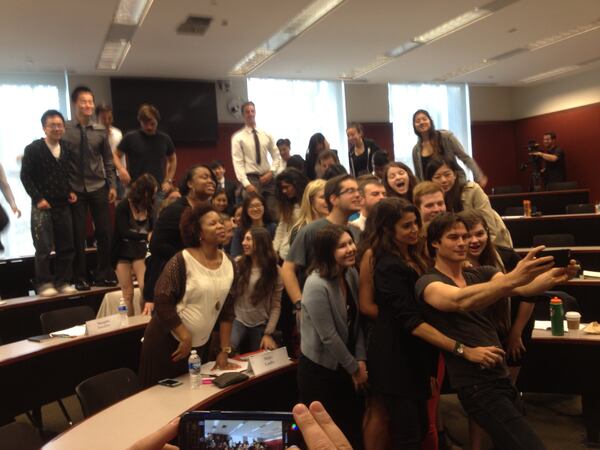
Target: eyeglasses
348, 191
255, 207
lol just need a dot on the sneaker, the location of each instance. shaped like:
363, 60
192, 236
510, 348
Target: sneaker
67, 289
47, 291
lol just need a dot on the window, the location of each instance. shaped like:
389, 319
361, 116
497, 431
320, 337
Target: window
297, 109
25, 98
447, 104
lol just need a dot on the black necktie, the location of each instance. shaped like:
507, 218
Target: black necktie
83, 152
257, 145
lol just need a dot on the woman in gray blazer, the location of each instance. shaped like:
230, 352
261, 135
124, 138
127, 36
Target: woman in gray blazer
332, 366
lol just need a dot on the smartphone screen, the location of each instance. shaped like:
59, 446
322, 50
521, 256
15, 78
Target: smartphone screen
231, 430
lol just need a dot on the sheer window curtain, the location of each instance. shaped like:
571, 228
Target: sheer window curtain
448, 105
297, 109
25, 97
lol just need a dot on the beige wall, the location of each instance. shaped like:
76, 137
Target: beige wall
564, 93
490, 103
367, 102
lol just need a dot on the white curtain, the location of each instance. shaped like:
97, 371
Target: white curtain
297, 109
448, 105
24, 98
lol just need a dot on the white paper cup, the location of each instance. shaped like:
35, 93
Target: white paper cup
573, 320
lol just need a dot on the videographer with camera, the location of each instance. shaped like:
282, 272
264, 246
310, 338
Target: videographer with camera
553, 168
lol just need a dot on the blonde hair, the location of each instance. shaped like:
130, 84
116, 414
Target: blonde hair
307, 212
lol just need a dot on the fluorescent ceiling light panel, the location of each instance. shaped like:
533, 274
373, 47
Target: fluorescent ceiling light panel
549, 74
453, 25
294, 28
132, 12
468, 69
551, 40
113, 54
404, 48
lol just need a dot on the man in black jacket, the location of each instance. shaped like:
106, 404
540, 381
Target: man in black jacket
44, 174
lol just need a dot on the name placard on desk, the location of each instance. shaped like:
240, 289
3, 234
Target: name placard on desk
108, 323
270, 360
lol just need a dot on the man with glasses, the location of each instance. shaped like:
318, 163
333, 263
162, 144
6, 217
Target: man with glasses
92, 176
45, 177
343, 199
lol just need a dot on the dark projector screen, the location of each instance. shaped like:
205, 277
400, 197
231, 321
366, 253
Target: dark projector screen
188, 109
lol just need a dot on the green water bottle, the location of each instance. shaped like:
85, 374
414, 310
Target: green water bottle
557, 316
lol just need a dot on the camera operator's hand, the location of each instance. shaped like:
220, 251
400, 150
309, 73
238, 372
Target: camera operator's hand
318, 429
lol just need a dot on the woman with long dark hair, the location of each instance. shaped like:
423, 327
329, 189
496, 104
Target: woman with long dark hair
399, 181
254, 214
196, 188
332, 364
316, 144
432, 142
460, 195
133, 225
257, 294
289, 188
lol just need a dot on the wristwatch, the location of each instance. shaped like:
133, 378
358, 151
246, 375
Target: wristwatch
298, 305
459, 349
227, 350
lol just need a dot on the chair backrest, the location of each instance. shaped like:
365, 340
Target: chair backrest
517, 210
554, 240
106, 389
60, 319
19, 436
512, 189
562, 186
581, 208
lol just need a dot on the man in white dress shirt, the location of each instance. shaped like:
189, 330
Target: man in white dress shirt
249, 149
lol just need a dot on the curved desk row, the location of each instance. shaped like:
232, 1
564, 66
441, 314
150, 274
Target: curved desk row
128, 421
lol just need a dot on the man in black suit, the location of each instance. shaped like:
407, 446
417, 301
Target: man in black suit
230, 187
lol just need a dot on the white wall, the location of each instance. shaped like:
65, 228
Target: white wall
367, 103
564, 93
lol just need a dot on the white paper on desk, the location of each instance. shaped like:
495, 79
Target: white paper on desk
76, 331
547, 325
207, 368
591, 274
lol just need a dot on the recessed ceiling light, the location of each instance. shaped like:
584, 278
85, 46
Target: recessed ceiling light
563, 36
549, 74
132, 12
113, 54
298, 25
453, 25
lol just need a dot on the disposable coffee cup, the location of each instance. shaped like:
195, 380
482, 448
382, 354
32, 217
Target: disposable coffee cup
573, 319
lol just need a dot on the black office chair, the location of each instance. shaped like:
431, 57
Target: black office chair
19, 436
512, 189
562, 186
517, 210
105, 389
581, 208
60, 319
554, 240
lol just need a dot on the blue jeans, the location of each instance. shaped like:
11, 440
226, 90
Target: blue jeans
493, 406
52, 229
239, 333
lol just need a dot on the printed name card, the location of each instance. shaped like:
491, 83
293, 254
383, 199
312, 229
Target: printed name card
103, 325
270, 360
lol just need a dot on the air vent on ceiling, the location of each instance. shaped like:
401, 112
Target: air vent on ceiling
195, 25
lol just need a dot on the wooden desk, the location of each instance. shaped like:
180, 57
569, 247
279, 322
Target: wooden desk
584, 227
20, 317
34, 374
135, 417
549, 202
566, 365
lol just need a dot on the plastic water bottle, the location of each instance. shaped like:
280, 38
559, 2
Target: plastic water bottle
194, 366
123, 313
557, 317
